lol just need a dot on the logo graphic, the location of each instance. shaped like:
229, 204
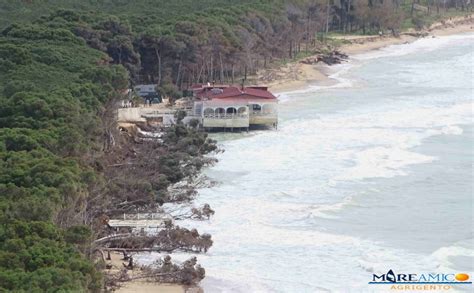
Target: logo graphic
390, 276
424, 281
461, 277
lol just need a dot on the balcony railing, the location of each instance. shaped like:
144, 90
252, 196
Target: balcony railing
259, 113
225, 116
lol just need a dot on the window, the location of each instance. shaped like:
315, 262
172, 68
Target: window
242, 111
208, 112
220, 111
231, 110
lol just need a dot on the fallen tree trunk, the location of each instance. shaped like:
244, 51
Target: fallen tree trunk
162, 271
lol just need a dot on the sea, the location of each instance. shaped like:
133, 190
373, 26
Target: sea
371, 174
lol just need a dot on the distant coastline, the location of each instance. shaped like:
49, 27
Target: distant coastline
303, 75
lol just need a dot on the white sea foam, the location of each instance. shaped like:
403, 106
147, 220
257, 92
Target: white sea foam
327, 210
268, 264
445, 255
339, 72
419, 46
382, 162
452, 129
336, 73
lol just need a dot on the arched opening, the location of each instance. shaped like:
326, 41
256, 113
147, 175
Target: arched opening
231, 110
220, 111
242, 111
267, 109
208, 112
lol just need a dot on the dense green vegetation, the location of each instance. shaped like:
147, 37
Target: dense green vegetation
63, 64
160, 10
57, 93
53, 87
178, 43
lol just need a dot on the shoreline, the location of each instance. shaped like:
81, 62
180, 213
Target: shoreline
340, 134
304, 75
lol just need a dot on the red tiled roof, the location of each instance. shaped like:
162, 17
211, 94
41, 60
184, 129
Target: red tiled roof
264, 94
234, 92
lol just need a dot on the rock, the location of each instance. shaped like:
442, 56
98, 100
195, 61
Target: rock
335, 57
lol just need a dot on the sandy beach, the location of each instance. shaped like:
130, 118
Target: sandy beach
297, 75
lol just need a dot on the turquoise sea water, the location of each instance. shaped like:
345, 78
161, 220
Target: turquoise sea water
372, 174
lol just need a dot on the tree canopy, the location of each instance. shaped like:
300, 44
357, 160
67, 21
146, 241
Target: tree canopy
53, 88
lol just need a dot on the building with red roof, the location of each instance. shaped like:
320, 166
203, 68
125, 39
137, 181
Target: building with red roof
222, 106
